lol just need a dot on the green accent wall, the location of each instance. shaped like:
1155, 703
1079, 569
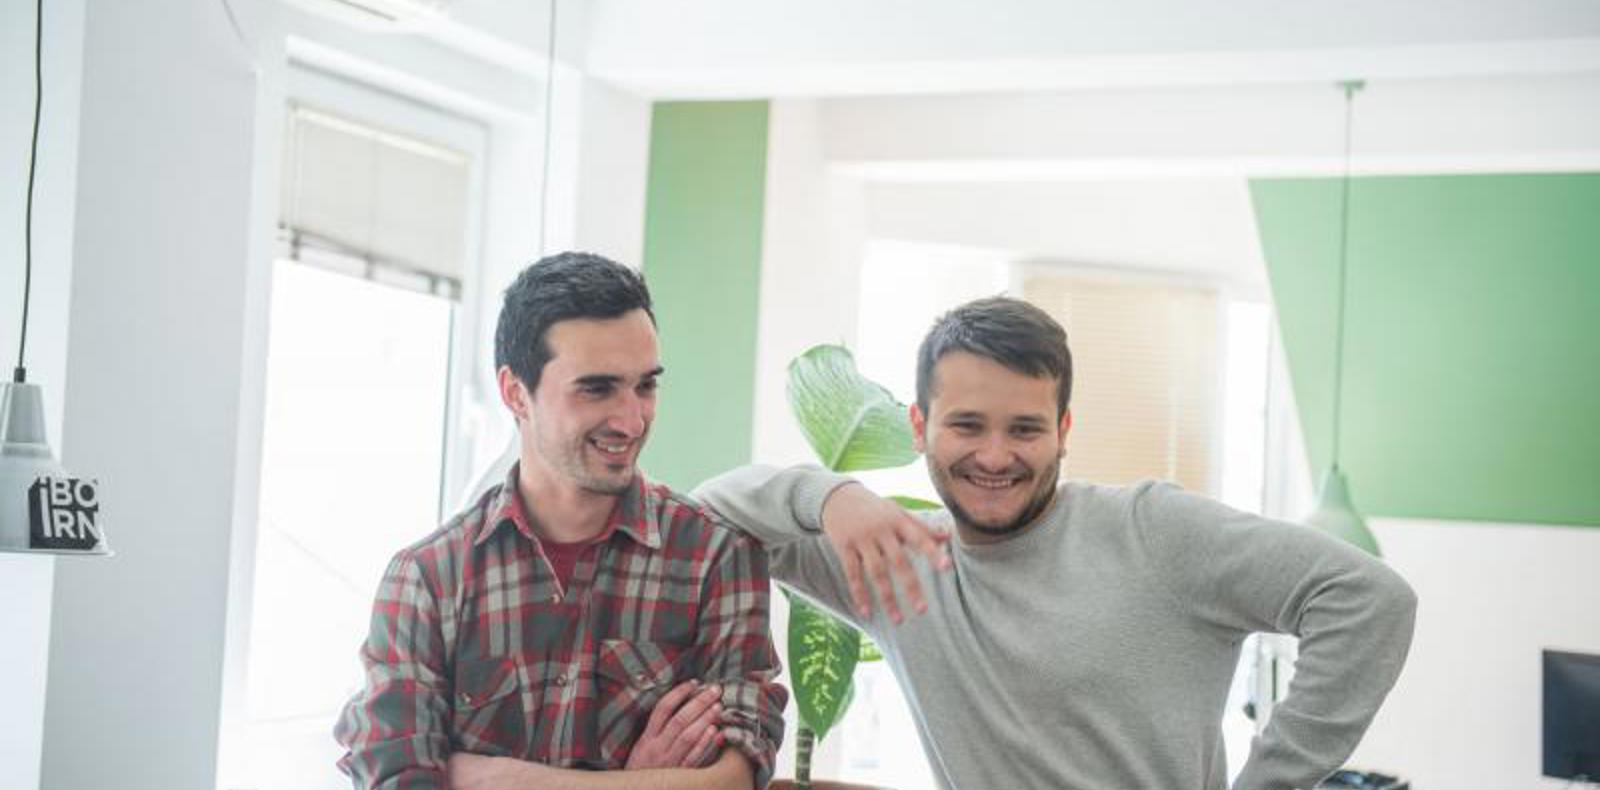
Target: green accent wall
702, 260
1472, 358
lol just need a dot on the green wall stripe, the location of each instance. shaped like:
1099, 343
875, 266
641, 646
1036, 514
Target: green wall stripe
1472, 367
702, 259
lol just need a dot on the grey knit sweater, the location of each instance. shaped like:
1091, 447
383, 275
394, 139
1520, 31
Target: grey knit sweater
1095, 649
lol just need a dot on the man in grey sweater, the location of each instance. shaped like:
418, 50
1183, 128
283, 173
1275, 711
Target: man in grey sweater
1075, 636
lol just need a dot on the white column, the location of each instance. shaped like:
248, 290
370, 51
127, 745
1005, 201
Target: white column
152, 401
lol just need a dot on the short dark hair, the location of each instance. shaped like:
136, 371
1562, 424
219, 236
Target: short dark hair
558, 288
1009, 331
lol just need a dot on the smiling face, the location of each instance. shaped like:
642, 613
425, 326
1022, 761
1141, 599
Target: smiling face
993, 444
586, 421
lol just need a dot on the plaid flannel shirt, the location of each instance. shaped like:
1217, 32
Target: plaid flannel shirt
475, 647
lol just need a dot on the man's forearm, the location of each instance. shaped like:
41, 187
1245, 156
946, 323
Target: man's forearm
775, 506
731, 771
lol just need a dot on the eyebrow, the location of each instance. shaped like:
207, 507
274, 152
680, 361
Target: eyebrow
596, 379
1027, 419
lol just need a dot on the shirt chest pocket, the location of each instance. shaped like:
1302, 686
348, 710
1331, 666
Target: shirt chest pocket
632, 677
486, 711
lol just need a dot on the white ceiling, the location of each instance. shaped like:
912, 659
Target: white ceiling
766, 48
1118, 134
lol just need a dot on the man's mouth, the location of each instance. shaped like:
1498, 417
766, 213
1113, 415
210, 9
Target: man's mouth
612, 446
992, 482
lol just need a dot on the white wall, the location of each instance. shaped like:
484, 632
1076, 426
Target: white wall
811, 245
26, 580
1195, 227
614, 163
1465, 715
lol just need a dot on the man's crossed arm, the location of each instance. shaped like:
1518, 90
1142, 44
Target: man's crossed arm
681, 736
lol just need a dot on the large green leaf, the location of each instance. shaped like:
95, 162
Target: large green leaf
853, 423
823, 653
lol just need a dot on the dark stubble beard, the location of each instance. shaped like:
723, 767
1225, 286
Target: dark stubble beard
570, 460
1043, 495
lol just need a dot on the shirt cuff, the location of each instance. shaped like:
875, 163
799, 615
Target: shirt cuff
761, 753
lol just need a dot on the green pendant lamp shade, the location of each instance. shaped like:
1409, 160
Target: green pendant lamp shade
1336, 515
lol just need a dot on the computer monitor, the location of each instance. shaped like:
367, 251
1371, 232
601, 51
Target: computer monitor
1572, 716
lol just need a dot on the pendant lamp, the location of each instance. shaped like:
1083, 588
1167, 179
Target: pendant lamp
1336, 513
42, 508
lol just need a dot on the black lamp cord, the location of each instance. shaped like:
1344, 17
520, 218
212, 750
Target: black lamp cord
1349, 87
20, 375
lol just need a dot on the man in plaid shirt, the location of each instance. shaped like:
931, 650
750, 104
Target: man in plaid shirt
579, 626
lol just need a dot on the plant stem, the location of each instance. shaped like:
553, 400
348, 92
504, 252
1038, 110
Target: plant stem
804, 739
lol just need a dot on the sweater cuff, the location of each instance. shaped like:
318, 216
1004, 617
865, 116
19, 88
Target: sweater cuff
812, 492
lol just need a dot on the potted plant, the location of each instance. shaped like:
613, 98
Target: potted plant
854, 425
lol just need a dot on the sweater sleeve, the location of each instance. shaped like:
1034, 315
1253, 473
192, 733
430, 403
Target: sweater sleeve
1237, 572
782, 510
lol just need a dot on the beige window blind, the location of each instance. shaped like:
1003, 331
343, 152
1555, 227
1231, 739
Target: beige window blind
374, 203
1145, 376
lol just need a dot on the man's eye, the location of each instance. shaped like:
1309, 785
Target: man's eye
1027, 431
596, 390
648, 386
965, 427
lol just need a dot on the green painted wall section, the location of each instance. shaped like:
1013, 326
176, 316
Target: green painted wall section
1472, 359
702, 260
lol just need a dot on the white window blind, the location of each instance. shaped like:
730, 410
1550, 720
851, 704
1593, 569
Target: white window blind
1145, 370
374, 203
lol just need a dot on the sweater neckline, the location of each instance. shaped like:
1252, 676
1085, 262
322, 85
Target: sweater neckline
1031, 539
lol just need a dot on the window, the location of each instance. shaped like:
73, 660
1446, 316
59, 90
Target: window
376, 217
1147, 353
350, 471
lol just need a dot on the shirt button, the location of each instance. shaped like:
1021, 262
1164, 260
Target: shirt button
555, 597
561, 680
640, 679
466, 699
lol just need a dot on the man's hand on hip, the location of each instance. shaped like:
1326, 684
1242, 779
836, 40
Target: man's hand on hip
872, 536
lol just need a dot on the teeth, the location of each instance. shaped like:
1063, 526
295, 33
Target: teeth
611, 448
990, 482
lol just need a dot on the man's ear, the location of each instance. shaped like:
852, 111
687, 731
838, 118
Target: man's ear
919, 429
513, 394
1066, 425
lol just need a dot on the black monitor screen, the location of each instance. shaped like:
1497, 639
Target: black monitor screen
1572, 716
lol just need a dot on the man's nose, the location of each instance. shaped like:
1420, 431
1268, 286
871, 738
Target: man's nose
630, 417
993, 455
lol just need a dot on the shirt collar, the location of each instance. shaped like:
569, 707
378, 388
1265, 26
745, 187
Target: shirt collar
636, 513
